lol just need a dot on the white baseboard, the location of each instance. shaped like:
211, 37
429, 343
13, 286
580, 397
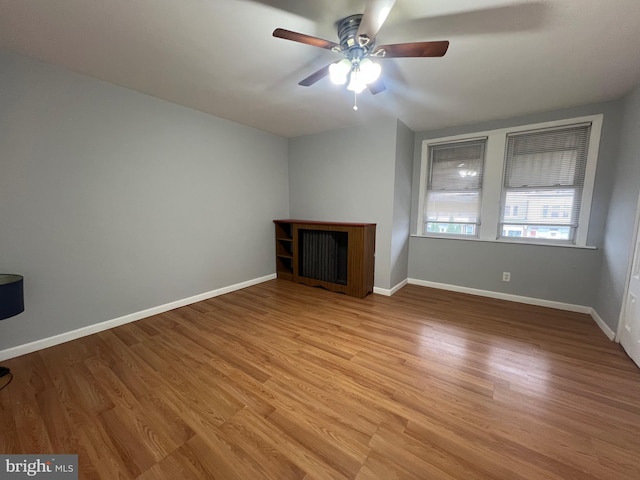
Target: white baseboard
99, 327
388, 292
503, 296
132, 317
520, 299
611, 335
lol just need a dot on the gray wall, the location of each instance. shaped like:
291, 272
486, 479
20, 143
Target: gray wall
552, 273
112, 201
567, 275
618, 232
401, 227
347, 175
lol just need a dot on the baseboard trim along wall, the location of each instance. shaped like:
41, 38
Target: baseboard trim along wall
132, 317
388, 292
520, 299
611, 335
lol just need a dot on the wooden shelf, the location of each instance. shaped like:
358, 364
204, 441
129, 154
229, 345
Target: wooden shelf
284, 248
284, 231
336, 256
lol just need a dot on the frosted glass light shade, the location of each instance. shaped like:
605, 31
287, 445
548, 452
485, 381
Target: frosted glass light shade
339, 71
369, 71
356, 84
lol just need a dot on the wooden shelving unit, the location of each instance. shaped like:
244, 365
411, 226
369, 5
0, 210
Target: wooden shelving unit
284, 251
347, 249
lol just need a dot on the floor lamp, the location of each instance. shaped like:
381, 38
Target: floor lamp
11, 303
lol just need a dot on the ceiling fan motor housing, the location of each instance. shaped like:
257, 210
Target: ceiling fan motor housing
354, 48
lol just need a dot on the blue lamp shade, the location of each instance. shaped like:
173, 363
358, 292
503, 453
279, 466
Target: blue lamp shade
11, 295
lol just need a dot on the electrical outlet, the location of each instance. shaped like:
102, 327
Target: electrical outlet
506, 276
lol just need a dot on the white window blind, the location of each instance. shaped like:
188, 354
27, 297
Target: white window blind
454, 186
543, 183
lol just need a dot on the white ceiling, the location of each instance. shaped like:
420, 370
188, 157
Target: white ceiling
506, 58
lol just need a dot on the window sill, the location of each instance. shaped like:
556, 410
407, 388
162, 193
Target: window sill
510, 242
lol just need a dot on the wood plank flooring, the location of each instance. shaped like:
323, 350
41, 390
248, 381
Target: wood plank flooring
283, 381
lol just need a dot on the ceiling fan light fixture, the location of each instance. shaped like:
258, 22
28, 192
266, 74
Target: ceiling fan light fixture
357, 36
356, 84
339, 71
369, 71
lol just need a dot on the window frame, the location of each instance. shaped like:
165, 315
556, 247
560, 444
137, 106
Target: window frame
493, 177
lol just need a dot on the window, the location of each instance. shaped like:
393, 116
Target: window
544, 173
528, 184
452, 203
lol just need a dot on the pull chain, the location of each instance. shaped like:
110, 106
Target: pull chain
355, 101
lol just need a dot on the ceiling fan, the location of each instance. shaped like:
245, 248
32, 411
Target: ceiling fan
357, 34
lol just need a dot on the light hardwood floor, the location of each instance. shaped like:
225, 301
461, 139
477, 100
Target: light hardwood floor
283, 381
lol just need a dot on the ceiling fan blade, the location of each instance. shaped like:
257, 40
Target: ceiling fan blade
415, 49
375, 13
302, 38
518, 17
377, 87
314, 77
